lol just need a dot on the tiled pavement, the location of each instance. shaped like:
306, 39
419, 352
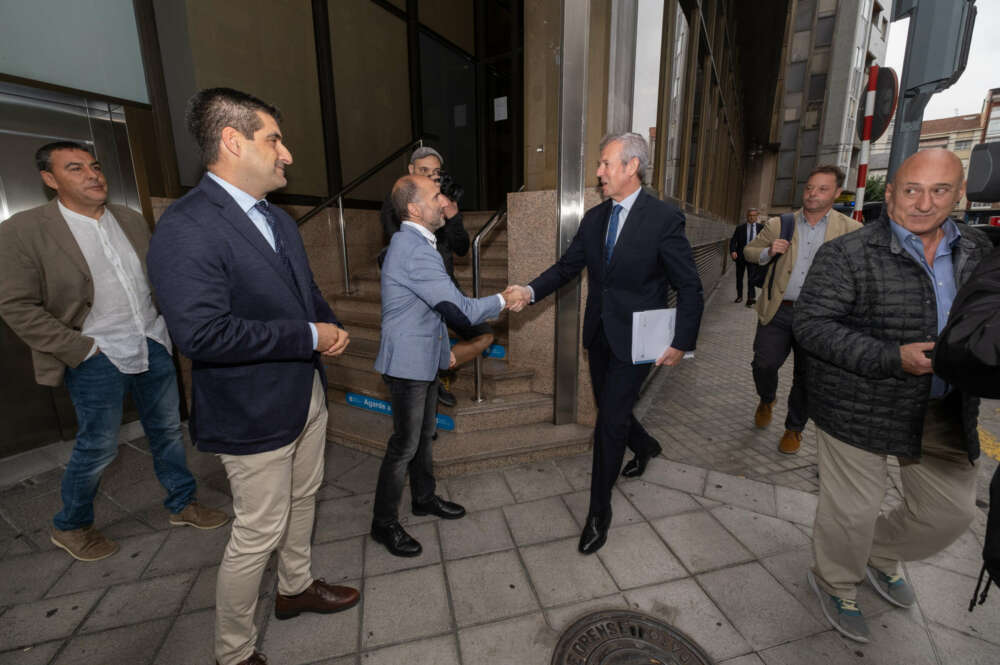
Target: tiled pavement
706, 548
702, 411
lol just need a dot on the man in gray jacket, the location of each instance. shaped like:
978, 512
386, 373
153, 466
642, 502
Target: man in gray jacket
870, 312
418, 299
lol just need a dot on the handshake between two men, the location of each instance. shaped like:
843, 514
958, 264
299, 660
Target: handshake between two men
517, 297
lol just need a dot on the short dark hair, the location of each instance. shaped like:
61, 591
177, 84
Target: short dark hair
211, 110
43, 157
404, 192
830, 169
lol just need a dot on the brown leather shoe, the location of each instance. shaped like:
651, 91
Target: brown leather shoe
762, 417
256, 659
85, 544
198, 516
319, 597
790, 442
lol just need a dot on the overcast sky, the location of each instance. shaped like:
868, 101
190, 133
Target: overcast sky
981, 73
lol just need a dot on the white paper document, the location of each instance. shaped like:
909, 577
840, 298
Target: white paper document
652, 333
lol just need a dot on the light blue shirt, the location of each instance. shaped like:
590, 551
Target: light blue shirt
942, 275
809, 239
248, 205
626, 204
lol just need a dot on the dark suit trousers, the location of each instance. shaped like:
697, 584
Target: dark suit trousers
741, 267
616, 388
771, 347
414, 420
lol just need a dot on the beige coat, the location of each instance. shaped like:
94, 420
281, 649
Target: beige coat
46, 289
837, 224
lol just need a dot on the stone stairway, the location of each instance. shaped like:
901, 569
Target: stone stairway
512, 425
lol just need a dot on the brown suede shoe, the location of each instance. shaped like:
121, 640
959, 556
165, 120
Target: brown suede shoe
256, 659
86, 544
319, 597
762, 417
198, 516
790, 442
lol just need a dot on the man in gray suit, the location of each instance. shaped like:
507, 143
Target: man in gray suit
418, 299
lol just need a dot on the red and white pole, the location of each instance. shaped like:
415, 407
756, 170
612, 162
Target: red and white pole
866, 144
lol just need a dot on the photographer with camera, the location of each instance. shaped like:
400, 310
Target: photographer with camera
452, 239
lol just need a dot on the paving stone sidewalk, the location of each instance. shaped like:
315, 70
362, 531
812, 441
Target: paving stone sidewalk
702, 411
719, 555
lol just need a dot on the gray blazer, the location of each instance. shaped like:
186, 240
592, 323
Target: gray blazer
418, 298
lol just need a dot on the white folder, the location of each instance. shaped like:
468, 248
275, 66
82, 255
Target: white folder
652, 333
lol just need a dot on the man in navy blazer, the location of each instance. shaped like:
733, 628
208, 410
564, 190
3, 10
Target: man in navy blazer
233, 282
634, 248
418, 299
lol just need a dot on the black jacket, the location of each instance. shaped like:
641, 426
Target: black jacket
452, 238
863, 298
651, 254
739, 239
968, 353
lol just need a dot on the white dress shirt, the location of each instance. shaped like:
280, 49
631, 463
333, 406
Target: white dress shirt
122, 315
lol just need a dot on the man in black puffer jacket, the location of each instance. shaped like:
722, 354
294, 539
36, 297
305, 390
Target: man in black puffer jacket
869, 312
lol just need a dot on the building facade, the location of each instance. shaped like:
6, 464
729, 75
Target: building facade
827, 49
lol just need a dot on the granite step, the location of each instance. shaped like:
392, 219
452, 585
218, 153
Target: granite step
357, 374
457, 453
495, 411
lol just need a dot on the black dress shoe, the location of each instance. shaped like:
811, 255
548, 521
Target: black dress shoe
595, 533
396, 540
446, 510
751, 303
637, 465
738, 299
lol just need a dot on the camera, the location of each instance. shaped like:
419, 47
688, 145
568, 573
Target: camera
449, 187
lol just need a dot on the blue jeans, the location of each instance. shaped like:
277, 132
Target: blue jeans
98, 391
414, 420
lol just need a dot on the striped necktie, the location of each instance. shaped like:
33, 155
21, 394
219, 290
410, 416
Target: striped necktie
279, 247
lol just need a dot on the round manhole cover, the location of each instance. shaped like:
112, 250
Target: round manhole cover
621, 637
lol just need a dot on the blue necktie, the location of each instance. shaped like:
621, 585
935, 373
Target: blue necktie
609, 243
265, 209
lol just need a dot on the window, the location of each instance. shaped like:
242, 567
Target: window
963, 145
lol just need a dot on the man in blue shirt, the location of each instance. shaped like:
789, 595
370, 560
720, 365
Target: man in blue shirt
869, 313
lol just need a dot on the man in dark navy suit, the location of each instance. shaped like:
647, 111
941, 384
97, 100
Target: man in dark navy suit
634, 248
743, 234
233, 282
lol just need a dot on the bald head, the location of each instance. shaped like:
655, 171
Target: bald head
416, 198
924, 191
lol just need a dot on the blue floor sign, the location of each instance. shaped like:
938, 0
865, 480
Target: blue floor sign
381, 406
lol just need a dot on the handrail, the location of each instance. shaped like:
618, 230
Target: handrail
339, 198
494, 221
360, 179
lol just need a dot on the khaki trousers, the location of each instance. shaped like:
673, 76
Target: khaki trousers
939, 503
274, 499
